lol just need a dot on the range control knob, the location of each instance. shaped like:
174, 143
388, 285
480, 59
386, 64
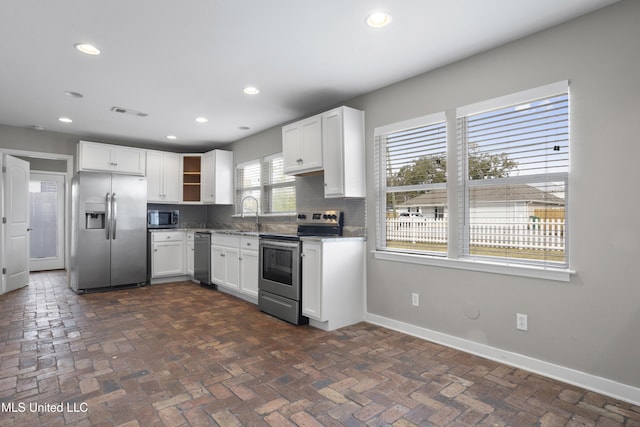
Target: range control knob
302, 216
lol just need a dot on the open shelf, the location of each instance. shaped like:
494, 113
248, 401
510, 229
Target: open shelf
191, 178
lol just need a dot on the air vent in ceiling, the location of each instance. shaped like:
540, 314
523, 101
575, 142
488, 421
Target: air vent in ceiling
128, 111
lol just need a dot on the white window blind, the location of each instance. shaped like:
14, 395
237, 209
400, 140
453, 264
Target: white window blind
415, 197
514, 163
248, 183
265, 180
279, 189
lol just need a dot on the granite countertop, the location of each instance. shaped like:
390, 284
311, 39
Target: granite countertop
252, 233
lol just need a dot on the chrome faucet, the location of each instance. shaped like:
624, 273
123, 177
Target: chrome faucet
255, 211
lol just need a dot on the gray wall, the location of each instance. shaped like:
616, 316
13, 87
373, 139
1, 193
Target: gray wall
590, 324
33, 140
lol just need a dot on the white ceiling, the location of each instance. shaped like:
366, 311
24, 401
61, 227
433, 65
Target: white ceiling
179, 59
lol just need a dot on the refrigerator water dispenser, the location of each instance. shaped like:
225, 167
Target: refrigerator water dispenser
95, 214
95, 220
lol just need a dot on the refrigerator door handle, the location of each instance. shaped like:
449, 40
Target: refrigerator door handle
115, 214
108, 218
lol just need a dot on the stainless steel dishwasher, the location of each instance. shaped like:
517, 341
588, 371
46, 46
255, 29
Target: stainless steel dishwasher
202, 257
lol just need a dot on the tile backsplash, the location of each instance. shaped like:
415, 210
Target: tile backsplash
309, 197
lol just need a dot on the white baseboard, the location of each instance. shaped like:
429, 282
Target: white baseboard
594, 383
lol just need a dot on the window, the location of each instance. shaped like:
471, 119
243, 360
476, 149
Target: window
414, 161
279, 189
501, 171
248, 184
266, 182
515, 164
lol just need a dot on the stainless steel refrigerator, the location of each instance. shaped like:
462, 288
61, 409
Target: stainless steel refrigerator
108, 230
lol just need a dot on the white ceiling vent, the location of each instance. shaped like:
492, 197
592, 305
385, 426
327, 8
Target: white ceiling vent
128, 111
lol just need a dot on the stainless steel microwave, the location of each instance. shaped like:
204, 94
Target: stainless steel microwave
163, 219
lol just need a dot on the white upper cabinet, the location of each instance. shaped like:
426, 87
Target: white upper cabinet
343, 152
163, 177
302, 146
97, 157
332, 141
217, 177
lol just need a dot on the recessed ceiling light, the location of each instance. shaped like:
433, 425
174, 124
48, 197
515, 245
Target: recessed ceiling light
36, 127
378, 19
87, 48
65, 120
244, 127
74, 94
172, 137
202, 119
251, 90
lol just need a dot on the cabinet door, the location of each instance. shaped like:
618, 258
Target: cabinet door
311, 144
223, 177
168, 259
332, 146
128, 160
218, 265
312, 280
171, 178
302, 146
249, 273
190, 253
154, 176
208, 177
94, 156
233, 268
291, 148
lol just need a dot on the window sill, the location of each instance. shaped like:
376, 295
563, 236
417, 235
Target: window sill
557, 274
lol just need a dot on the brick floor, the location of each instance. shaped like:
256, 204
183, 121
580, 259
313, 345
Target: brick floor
184, 355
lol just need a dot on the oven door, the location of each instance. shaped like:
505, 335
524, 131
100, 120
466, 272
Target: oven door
279, 265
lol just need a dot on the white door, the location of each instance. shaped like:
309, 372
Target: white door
15, 187
46, 239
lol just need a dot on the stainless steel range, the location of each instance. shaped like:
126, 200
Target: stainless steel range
280, 281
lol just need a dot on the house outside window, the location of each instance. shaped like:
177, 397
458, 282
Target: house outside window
509, 160
266, 182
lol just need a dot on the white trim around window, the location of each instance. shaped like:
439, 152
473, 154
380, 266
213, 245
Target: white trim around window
460, 183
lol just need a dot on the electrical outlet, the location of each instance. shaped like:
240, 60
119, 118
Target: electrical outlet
522, 322
415, 299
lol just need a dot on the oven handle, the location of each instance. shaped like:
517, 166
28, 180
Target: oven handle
278, 244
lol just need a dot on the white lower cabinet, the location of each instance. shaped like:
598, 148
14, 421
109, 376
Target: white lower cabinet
168, 254
234, 264
249, 266
333, 277
225, 261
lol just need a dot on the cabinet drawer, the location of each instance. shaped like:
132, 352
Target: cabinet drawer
225, 240
249, 243
168, 236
